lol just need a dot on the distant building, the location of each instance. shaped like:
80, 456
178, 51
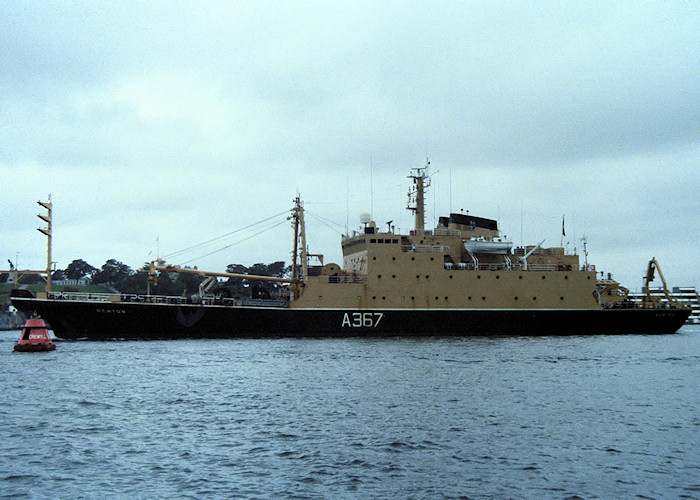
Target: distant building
78, 282
686, 294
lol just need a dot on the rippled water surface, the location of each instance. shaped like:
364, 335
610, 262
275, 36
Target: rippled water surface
593, 417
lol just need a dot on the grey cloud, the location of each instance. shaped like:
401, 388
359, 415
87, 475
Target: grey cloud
517, 97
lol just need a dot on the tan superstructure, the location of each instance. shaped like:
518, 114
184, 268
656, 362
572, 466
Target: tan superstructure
463, 263
383, 270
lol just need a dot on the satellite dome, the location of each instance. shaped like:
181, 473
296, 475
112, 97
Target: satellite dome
365, 217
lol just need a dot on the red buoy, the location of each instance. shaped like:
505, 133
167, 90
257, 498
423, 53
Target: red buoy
35, 337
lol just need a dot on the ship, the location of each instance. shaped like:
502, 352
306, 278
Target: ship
460, 278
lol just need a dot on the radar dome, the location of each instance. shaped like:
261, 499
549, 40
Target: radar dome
365, 217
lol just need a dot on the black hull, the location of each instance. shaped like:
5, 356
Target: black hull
71, 319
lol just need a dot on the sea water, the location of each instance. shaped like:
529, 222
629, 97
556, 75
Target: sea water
508, 417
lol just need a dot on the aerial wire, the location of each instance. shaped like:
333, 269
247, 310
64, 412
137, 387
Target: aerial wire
199, 245
236, 242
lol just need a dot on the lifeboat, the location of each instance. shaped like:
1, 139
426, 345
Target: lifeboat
35, 337
497, 246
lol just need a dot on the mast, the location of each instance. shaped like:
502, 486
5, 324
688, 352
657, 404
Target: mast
302, 236
299, 241
416, 196
47, 231
295, 216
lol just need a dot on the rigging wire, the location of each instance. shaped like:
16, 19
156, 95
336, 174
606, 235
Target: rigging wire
277, 224
208, 242
326, 222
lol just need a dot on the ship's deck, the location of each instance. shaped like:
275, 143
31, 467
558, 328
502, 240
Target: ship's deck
117, 298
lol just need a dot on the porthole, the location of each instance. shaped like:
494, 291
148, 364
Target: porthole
450, 276
393, 258
374, 258
383, 298
432, 258
469, 298
379, 276
543, 277
520, 277
566, 277
417, 276
445, 298
478, 276
437, 298
483, 298
534, 298
561, 298
393, 276
498, 277
413, 258
413, 298
516, 298
374, 297
427, 276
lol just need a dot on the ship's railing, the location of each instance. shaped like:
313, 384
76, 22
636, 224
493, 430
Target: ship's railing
82, 296
262, 302
346, 279
425, 248
634, 304
541, 267
116, 297
211, 300
463, 266
156, 299
444, 231
163, 299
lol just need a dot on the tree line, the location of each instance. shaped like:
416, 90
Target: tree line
122, 278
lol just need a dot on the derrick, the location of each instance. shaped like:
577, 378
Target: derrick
649, 299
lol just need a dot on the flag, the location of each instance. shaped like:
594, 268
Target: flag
563, 232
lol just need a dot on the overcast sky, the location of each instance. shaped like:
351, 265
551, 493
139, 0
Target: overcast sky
156, 126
